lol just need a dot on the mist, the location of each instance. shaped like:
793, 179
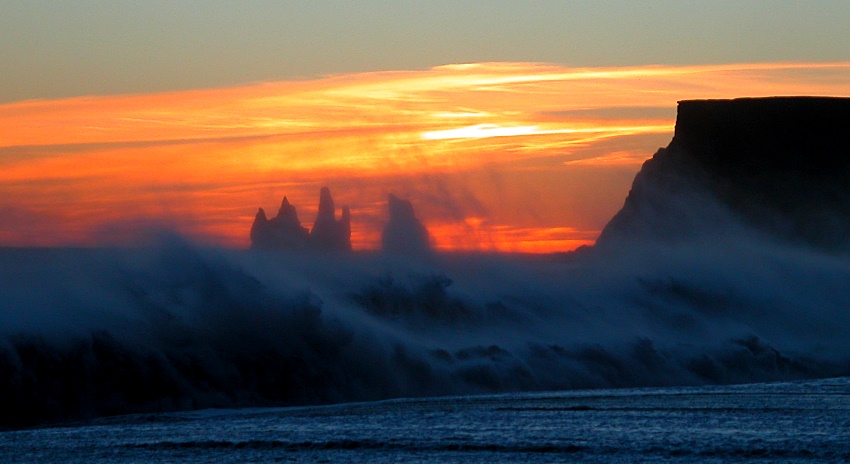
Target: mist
728, 263
175, 326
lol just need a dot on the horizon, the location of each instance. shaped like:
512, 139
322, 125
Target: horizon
525, 157
492, 198
509, 128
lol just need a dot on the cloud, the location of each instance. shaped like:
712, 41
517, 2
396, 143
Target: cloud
509, 119
617, 113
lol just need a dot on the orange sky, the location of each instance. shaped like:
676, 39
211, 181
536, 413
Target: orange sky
506, 156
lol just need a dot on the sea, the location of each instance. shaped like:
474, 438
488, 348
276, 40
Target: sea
794, 422
713, 351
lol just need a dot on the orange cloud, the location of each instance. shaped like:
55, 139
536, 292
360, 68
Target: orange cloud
542, 153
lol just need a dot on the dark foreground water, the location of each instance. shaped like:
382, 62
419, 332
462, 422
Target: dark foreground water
773, 422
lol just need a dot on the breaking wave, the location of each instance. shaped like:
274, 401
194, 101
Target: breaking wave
94, 332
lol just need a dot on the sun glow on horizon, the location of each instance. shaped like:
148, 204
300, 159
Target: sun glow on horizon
540, 155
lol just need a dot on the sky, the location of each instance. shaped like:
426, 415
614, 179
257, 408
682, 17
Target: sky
514, 126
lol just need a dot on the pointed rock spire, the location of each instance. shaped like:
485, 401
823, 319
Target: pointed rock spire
404, 233
290, 233
327, 211
328, 233
284, 232
286, 209
261, 233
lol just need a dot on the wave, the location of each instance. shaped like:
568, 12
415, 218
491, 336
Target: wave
95, 332
702, 452
351, 445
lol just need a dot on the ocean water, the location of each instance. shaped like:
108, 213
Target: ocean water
153, 354
807, 421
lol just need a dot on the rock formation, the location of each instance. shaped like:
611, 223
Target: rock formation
779, 166
404, 233
262, 234
288, 223
284, 232
329, 233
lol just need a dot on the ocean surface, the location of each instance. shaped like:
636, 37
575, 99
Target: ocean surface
804, 421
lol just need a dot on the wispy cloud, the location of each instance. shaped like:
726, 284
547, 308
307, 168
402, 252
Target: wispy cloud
106, 155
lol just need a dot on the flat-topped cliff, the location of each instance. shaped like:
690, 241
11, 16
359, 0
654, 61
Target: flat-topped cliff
779, 165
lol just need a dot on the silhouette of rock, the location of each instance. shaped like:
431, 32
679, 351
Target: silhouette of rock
404, 233
290, 233
779, 165
329, 233
262, 233
284, 232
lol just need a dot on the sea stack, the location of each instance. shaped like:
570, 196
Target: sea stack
261, 232
284, 231
329, 233
404, 233
777, 166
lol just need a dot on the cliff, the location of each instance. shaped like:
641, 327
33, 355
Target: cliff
779, 166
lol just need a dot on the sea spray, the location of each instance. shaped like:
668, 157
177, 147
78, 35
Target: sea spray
97, 332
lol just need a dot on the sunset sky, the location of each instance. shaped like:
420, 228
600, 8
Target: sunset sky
511, 127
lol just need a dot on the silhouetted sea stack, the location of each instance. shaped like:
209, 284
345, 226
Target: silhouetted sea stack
404, 233
779, 166
330, 233
284, 231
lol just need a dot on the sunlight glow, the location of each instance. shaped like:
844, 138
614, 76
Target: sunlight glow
480, 131
493, 155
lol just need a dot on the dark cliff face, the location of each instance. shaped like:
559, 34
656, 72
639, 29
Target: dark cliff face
779, 166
